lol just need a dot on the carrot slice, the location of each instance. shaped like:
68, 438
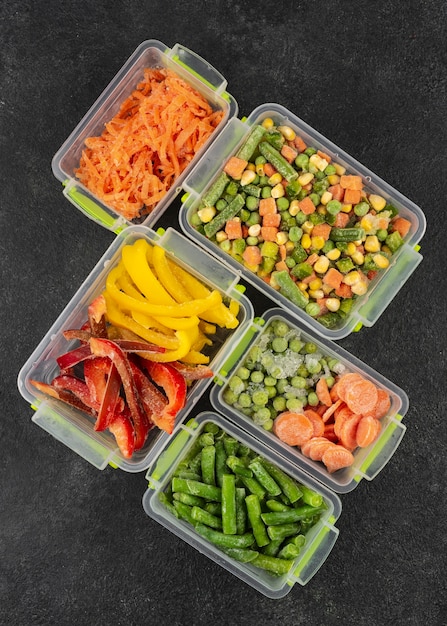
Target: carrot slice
361, 396
337, 457
316, 447
345, 381
341, 416
293, 428
332, 409
322, 391
317, 422
348, 431
368, 430
383, 404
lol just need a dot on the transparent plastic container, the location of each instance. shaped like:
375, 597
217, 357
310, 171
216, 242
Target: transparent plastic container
368, 461
75, 428
367, 308
149, 54
320, 539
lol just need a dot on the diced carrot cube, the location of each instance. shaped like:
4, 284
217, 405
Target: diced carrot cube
310, 278
271, 219
269, 170
235, 166
233, 229
281, 265
352, 196
337, 192
306, 205
283, 252
322, 230
325, 156
341, 219
268, 233
267, 205
252, 255
351, 182
289, 153
333, 278
322, 304
300, 144
312, 258
344, 291
402, 225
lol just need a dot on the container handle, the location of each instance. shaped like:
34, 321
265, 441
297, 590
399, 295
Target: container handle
92, 209
386, 289
72, 436
315, 555
196, 65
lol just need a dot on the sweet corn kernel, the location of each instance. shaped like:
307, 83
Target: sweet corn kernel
305, 178
260, 169
327, 289
302, 286
278, 191
339, 169
386, 250
367, 223
358, 242
346, 208
351, 278
221, 236
294, 208
290, 246
325, 197
307, 226
333, 179
247, 177
318, 242
268, 123
316, 283
332, 304
372, 244
254, 230
287, 132
350, 248
321, 266
251, 166
377, 202
381, 261
206, 214
333, 254
281, 238
320, 163
321, 209
358, 257
316, 294
359, 288
275, 179
306, 241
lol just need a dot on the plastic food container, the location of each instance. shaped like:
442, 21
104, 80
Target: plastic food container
369, 461
382, 289
74, 428
319, 539
149, 54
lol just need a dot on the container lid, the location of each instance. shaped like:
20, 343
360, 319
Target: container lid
150, 54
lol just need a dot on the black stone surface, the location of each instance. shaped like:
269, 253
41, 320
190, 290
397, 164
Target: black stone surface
75, 544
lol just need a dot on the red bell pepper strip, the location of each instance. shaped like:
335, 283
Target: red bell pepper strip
73, 357
107, 348
64, 396
153, 400
174, 385
192, 372
97, 317
78, 387
77, 333
104, 382
122, 429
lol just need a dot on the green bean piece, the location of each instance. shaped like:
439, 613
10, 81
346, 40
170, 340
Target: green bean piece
211, 427
243, 555
206, 439
231, 445
188, 499
201, 515
241, 511
184, 511
213, 194
311, 497
297, 540
238, 467
208, 465
346, 234
288, 485
219, 220
276, 505
289, 289
221, 461
281, 531
254, 486
278, 161
229, 504
273, 564
225, 541
255, 517
167, 503
189, 474
264, 478
272, 548
215, 508
289, 551
248, 148
273, 518
196, 463
196, 488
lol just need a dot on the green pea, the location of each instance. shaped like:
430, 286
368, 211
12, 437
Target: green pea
261, 416
315, 199
271, 391
295, 345
260, 397
333, 207
312, 399
295, 404
252, 203
279, 344
266, 192
302, 161
230, 397
295, 233
280, 328
312, 309
268, 425
269, 381
257, 376
361, 209
282, 203
310, 347
225, 245
279, 403
329, 170
281, 385
314, 367
299, 382
221, 204
244, 400
236, 384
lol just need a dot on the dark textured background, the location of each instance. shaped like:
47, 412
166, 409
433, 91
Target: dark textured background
75, 544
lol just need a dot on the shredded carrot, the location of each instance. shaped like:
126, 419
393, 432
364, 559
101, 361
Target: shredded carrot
145, 147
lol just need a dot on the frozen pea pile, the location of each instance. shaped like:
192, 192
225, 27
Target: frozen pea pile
279, 374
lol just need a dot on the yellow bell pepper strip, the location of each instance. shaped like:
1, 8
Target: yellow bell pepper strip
194, 307
167, 277
196, 358
135, 261
185, 340
122, 320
